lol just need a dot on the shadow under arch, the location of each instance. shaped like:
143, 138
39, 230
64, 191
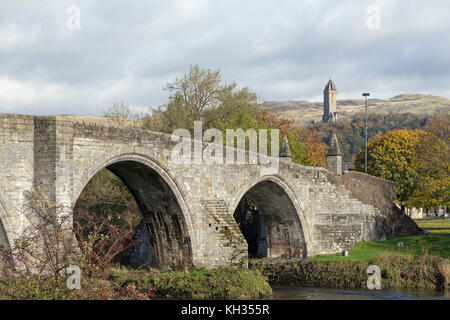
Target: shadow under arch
161, 205
283, 224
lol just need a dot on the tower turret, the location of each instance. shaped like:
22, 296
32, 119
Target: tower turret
329, 102
334, 156
285, 151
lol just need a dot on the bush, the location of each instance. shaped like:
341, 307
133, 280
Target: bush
196, 283
48, 288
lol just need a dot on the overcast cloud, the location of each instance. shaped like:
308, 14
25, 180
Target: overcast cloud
284, 50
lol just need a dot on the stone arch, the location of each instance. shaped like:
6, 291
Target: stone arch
161, 203
284, 221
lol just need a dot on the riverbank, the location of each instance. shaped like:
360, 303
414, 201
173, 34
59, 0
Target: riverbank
422, 262
224, 283
436, 243
129, 284
396, 272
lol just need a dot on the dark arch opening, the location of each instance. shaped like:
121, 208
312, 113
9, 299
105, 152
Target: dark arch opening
270, 223
160, 223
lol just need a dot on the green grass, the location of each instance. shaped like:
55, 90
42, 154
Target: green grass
435, 226
226, 283
437, 244
130, 284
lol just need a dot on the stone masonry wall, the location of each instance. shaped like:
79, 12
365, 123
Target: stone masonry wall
17, 171
326, 212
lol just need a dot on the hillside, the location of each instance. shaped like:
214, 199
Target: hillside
304, 112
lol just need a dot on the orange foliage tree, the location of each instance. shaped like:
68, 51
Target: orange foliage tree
306, 145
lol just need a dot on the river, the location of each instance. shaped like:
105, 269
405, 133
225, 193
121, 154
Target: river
300, 293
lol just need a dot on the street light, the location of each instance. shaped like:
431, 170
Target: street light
366, 94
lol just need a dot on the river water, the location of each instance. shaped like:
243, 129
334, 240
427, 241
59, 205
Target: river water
300, 293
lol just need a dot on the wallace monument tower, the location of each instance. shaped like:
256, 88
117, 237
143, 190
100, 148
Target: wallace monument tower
329, 102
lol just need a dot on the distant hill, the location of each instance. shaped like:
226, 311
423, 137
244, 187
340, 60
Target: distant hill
304, 112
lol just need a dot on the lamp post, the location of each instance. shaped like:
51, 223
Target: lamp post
366, 94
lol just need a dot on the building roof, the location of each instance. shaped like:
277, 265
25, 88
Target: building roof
330, 86
285, 151
334, 149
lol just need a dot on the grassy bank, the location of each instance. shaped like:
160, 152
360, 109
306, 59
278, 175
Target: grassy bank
437, 244
423, 262
122, 283
400, 272
197, 283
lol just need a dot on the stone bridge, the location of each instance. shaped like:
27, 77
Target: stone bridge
189, 209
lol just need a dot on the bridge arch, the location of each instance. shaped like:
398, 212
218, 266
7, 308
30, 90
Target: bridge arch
283, 220
161, 203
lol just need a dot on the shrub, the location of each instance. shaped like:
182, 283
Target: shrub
196, 283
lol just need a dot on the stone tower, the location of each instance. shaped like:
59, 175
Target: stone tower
334, 156
329, 102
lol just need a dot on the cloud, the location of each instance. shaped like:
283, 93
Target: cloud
284, 50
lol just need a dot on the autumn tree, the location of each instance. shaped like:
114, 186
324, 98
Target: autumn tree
432, 163
390, 157
305, 144
439, 125
242, 118
314, 146
351, 131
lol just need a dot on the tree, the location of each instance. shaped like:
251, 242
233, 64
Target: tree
439, 125
432, 163
243, 118
431, 193
350, 131
390, 157
197, 91
432, 157
314, 146
106, 206
305, 144
118, 113
298, 148
199, 95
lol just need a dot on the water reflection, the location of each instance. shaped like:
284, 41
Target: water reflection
299, 293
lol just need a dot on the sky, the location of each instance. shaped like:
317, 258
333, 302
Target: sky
82, 56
